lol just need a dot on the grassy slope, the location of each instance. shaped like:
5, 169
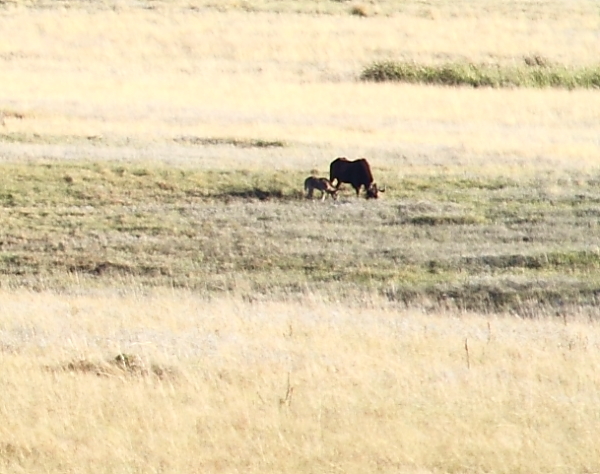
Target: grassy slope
487, 243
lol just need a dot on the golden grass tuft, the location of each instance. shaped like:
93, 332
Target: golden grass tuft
123, 364
360, 10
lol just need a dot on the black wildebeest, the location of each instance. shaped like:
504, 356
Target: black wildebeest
357, 173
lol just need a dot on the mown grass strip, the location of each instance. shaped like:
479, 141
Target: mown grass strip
237, 142
484, 75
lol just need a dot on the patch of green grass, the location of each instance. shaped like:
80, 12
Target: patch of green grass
484, 75
480, 243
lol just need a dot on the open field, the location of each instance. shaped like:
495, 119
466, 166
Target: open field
524, 244
146, 76
170, 302
225, 385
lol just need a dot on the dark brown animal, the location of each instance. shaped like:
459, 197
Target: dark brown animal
357, 173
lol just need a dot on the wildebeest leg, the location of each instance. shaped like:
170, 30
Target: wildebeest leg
357, 189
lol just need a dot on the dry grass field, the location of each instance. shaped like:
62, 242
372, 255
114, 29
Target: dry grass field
142, 77
170, 302
225, 385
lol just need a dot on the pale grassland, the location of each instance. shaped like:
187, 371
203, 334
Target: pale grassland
150, 75
295, 386
241, 384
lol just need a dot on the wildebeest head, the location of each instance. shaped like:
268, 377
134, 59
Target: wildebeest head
373, 191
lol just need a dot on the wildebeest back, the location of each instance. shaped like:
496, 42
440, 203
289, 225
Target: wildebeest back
357, 172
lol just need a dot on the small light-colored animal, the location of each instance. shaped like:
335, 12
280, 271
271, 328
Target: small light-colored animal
321, 184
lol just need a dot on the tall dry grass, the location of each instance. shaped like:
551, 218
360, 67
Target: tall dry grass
290, 386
